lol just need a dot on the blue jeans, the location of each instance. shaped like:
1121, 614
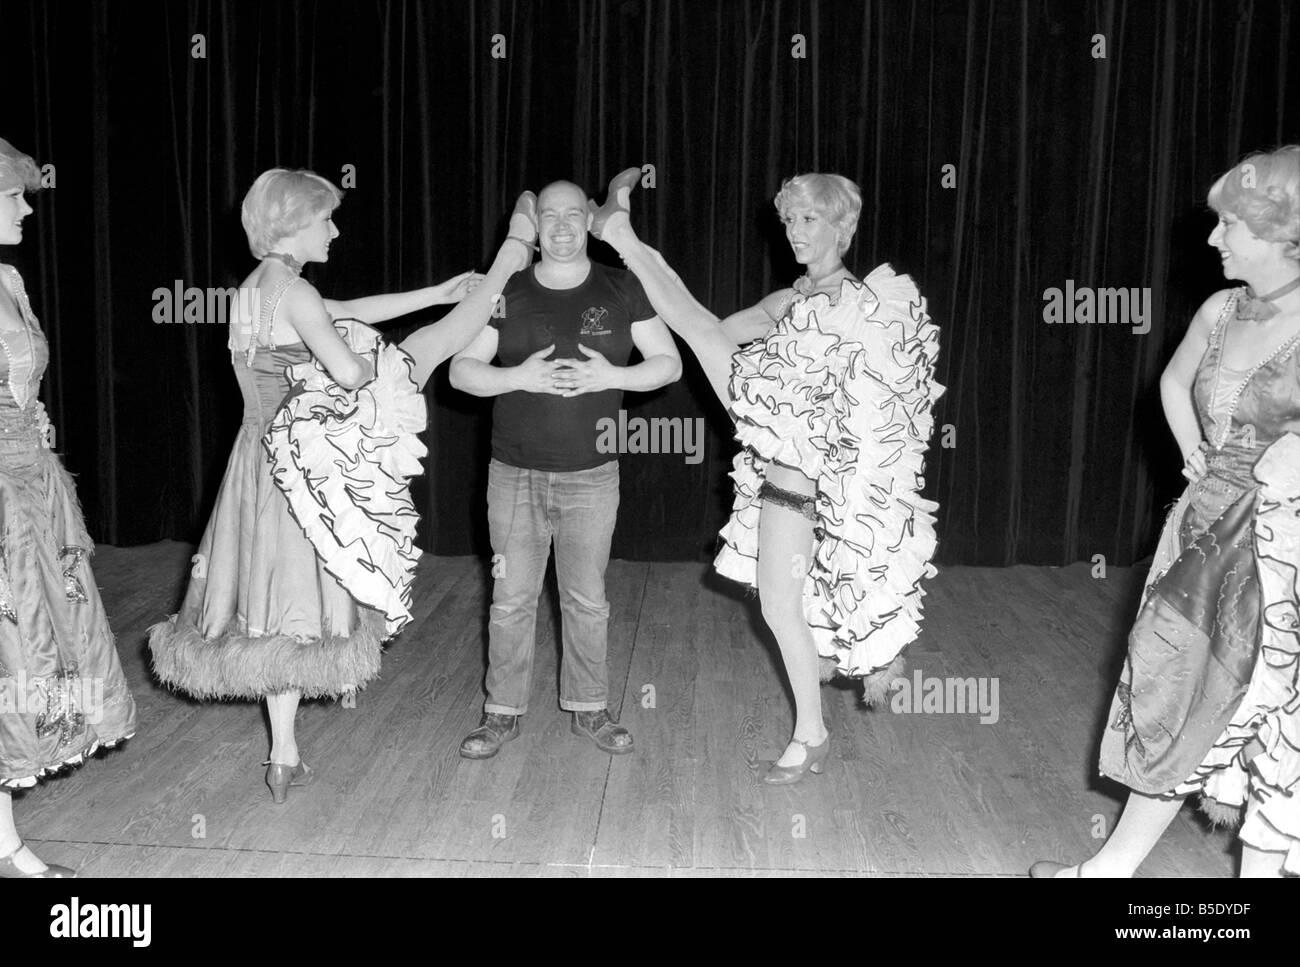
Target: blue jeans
526, 510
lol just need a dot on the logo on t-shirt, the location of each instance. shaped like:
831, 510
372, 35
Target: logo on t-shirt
591, 322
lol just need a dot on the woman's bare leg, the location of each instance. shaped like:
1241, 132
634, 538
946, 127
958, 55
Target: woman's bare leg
432, 344
1141, 824
25, 860
785, 547
282, 709
675, 305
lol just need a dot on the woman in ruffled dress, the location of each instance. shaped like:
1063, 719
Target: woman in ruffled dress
833, 405
306, 564
1207, 701
62, 692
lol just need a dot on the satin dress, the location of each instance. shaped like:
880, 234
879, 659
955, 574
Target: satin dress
62, 691
1207, 702
306, 564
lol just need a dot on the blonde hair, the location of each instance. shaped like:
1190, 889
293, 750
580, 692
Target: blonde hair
834, 195
283, 202
1264, 192
17, 170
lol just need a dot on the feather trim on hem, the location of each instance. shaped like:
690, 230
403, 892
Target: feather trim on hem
239, 666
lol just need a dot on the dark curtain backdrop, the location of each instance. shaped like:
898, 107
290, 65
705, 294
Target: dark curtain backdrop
1067, 166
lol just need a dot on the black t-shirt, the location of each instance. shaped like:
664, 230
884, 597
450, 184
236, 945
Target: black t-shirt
542, 431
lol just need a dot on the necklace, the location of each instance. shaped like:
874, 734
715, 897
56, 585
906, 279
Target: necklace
294, 265
1260, 307
806, 284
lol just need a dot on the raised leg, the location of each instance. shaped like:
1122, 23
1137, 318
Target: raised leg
432, 344
675, 305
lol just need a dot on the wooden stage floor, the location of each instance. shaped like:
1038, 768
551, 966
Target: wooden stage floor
921, 794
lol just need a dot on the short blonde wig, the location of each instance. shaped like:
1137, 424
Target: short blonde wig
833, 195
282, 203
17, 170
1264, 192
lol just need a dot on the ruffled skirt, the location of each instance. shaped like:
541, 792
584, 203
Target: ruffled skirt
844, 391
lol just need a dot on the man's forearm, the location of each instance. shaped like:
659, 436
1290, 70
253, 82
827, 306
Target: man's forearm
650, 374
478, 378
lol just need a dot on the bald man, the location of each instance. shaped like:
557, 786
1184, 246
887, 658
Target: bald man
563, 344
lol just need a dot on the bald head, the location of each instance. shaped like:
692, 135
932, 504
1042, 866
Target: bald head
561, 189
562, 220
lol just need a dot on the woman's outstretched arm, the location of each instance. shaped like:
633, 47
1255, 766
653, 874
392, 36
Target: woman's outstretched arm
374, 309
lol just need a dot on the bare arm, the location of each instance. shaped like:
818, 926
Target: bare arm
661, 364
304, 312
757, 321
472, 370
380, 308
1178, 377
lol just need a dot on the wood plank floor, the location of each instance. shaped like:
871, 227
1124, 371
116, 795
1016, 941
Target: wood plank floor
697, 681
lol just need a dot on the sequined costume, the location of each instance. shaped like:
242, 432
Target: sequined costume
1207, 701
62, 691
843, 390
306, 565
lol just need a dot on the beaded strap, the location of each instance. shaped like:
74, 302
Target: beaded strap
18, 386
1217, 337
269, 306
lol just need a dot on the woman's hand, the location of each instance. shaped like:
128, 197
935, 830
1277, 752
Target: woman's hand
456, 288
1194, 466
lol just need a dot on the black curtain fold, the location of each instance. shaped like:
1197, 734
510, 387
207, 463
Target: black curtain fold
1066, 166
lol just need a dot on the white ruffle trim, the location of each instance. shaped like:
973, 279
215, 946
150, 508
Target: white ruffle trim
845, 393
343, 459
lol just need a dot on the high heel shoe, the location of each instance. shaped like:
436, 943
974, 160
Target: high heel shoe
280, 777
625, 180
814, 757
525, 205
9, 870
